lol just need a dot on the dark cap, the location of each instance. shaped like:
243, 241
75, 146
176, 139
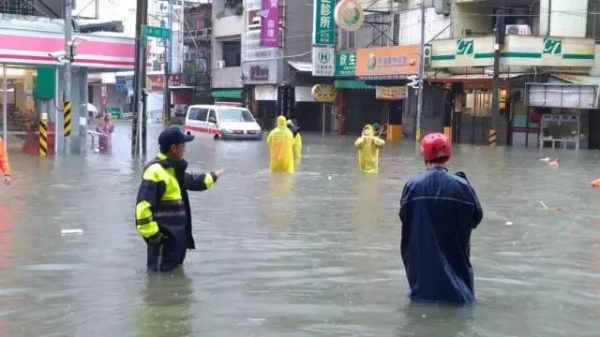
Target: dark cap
173, 136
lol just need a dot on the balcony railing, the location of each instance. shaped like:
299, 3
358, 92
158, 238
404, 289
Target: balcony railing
17, 7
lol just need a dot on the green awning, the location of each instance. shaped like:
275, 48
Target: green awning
352, 84
234, 93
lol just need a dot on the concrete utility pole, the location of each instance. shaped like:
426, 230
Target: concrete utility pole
138, 133
421, 75
67, 108
495, 113
168, 55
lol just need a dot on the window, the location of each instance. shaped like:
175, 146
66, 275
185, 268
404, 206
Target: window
202, 113
232, 51
348, 40
235, 115
212, 117
198, 114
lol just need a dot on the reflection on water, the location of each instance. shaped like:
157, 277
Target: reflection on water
315, 253
165, 310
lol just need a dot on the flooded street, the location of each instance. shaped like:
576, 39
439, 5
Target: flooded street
310, 254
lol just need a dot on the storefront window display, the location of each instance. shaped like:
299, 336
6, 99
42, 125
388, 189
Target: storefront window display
19, 99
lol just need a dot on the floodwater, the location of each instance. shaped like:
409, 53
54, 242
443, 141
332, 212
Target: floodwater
310, 254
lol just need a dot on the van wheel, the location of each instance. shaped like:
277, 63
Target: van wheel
188, 133
217, 137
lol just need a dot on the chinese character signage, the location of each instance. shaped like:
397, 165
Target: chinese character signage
345, 64
390, 93
323, 61
269, 26
384, 62
324, 22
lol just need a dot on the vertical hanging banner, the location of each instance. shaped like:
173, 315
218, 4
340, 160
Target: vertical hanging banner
269, 23
324, 22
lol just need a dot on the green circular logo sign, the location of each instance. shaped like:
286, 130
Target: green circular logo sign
324, 56
349, 15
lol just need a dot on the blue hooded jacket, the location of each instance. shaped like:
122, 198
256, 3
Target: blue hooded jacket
438, 210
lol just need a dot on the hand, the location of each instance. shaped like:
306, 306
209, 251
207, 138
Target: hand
219, 172
157, 238
7, 180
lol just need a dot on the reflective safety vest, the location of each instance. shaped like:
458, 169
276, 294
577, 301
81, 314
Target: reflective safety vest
4, 166
163, 203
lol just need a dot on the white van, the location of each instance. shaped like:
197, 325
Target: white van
221, 122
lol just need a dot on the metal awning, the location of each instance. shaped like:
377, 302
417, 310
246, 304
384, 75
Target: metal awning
233, 93
444, 77
578, 79
305, 67
352, 84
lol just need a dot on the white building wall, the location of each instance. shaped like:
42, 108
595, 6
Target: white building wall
435, 25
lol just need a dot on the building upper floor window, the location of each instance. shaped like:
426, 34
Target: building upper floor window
232, 53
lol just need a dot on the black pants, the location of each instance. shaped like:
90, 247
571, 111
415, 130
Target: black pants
165, 256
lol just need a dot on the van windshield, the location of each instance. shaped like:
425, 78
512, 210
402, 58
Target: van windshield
235, 116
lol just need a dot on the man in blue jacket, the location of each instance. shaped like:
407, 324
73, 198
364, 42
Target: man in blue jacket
438, 211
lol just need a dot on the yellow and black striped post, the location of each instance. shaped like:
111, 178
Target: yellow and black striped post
493, 137
67, 119
43, 137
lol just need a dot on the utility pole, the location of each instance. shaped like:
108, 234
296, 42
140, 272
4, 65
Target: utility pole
421, 75
67, 108
168, 55
138, 125
495, 113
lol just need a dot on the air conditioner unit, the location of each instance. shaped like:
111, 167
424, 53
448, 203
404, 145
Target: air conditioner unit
518, 30
220, 64
202, 32
442, 7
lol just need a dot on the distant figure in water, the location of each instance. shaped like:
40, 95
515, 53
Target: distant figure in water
368, 146
106, 128
297, 144
281, 145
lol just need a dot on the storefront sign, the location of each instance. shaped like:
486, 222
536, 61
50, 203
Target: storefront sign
324, 93
258, 73
156, 82
323, 22
345, 64
269, 25
262, 72
323, 61
98, 52
387, 62
519, 50
349, 15
390, 93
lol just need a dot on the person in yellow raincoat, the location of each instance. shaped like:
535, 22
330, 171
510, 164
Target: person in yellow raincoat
281, 143
297, 141
368, 146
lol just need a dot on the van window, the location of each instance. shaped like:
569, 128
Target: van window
202, 113
212, 117
193, 114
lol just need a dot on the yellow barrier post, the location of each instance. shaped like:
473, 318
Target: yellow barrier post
67, 119
43, 137
493, 137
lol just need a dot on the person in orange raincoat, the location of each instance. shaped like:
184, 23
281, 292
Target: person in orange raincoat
4, 165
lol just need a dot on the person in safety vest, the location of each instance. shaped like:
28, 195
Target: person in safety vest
281, 143
297, 140
4, 165
162, 214
438, 211
368, 146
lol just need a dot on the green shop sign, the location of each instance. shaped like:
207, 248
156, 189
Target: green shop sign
345, 64
324, 22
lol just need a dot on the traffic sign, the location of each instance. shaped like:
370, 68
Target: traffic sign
158, 32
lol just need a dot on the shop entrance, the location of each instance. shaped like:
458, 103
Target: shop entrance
26, 92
